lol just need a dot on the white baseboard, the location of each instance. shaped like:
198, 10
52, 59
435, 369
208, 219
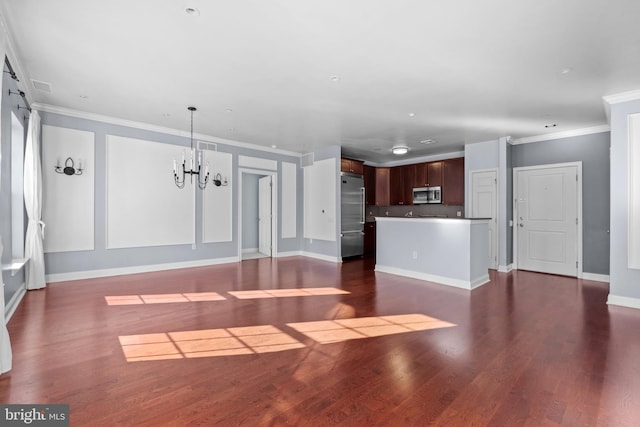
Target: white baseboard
249, 250
321, 257
288, 254
14, 302
596, 277
458, 283
505, 268
624, 301
93, 274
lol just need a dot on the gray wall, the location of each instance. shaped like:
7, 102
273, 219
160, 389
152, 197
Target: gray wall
9, 104
494, 155
101, 258
624, 281
593, 151
250, 211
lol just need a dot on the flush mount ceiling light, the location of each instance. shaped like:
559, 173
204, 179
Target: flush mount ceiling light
400, 150
550, 125
412, 114
334, 78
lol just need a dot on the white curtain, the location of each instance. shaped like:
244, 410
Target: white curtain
33, 248
6, 356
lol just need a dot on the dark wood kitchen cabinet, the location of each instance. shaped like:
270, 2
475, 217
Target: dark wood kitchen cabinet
382, 187
396, 179
409, 174
453, 182
370, 238
428, 174
402, 179
352, 166
370, 185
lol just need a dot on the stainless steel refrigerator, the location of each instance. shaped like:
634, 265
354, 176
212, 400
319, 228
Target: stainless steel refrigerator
352, 217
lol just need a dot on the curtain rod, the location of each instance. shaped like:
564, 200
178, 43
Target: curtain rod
13, 75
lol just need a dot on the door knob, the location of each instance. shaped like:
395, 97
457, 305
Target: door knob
521, 225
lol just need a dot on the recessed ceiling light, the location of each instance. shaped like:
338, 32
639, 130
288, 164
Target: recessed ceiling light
427, 141
274, 146
400, 150
192, 11
550, 125
334, 78
566, 70
412, 114
84, 96
229, 110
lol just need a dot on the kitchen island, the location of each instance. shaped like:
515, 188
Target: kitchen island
449, 251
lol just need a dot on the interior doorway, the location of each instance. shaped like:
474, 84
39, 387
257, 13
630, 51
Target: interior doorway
257, 230
484, 204
548, 219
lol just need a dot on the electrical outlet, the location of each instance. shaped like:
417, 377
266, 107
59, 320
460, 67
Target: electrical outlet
414, 255
459, 213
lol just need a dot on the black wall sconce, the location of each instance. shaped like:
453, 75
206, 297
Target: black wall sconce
218, 181
69, 168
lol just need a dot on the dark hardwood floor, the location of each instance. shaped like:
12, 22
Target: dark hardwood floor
526, 349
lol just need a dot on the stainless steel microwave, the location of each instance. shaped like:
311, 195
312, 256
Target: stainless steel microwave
426, 195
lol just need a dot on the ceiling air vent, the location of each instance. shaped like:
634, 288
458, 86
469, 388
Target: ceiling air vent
307, 160
43, 86
211, 146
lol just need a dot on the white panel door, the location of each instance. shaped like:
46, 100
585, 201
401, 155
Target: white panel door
264, 215
547, 220
484, 204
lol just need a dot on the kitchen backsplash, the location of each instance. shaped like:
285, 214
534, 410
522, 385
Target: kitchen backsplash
415, 211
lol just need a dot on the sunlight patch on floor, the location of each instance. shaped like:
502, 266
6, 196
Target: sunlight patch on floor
267, 338
206, 343
283, 293
330, 331
162, 298
214, 296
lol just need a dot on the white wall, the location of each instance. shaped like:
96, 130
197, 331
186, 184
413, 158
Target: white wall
68, 200
624, 286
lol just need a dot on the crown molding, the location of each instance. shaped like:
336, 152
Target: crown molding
617, 98
560, 135
47, 108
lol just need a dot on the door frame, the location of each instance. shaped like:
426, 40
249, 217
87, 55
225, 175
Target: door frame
274, 208
268, 197
498, 218
514, 200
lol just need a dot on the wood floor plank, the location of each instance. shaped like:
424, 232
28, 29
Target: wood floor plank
525, 349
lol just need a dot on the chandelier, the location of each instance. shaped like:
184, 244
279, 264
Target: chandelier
179, 176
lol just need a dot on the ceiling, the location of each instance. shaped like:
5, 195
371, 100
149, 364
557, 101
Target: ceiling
363, 74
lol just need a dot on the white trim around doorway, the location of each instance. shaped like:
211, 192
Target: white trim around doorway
274, 207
